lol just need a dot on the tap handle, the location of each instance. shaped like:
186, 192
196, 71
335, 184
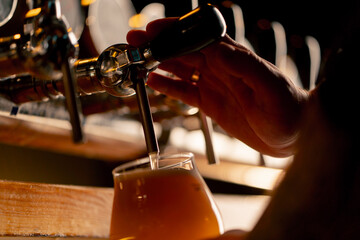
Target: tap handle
138, 75
189, 33
72, 102
66, 53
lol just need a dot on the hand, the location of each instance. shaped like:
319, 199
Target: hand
246, 95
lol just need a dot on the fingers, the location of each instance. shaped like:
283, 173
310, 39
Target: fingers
241, 63
138, 38
185, 91
184, 67
155, 27
235, 60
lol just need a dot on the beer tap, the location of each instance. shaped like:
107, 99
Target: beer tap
111, 70
117, 66
120, 63
47, 50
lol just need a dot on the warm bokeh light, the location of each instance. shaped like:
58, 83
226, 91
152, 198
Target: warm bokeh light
87, 2
33, 12
137, 21
17, 36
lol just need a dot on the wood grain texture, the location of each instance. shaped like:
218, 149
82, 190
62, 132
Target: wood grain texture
33, 209
55, 135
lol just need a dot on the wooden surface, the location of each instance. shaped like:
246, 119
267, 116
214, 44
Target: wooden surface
55, 135
30, 211
33, 209
105, 144
48, 211
243, 174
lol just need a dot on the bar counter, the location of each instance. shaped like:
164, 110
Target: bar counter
42, 209
35, 209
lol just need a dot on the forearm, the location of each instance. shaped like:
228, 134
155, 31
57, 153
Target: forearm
309, 197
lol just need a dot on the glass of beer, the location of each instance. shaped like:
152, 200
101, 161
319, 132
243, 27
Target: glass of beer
171, 202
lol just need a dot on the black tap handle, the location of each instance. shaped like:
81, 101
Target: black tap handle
189, 33
71, 100
138, 76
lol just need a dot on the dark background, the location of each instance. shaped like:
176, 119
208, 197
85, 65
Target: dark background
319, 19
323, 20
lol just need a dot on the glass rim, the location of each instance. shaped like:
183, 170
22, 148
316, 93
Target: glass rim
146, 161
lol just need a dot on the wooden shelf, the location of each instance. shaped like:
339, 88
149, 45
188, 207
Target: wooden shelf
34, 210
55, 135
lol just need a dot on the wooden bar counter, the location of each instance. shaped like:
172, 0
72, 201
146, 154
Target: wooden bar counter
34, 210
41, 209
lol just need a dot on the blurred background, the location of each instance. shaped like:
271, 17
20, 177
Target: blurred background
34, 136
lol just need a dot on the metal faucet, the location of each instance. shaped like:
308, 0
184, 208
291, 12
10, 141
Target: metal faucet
43, 61
47, 50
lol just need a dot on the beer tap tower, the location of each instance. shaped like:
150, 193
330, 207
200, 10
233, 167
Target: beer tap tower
43, 62
47, 49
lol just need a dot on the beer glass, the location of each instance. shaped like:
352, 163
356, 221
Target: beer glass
168, 203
